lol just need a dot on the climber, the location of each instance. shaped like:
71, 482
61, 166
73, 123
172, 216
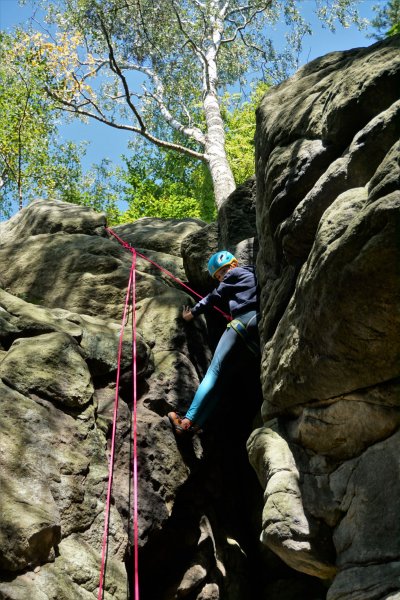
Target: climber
238, 289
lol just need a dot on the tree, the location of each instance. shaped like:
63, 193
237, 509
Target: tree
33, 162
26, 121
169, 184
159, 68
387, 20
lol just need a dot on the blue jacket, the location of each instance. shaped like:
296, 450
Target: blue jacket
238, 291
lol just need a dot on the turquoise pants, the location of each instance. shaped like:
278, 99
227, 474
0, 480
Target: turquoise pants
225, 364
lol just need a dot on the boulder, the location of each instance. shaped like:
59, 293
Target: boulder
98, 338
78, 272
367, 537
286, 528
161, 235
328, 219
52, 367
348, 289
196, 249
52, 216
52, 469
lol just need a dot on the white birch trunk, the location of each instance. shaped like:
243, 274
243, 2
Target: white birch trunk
215, 153
221, 172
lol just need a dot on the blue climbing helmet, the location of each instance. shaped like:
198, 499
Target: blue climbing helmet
218, 260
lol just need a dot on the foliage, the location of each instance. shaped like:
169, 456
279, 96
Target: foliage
26, 124
164, 183
240, 130
160, 68
33, 163
96, 188
387, 19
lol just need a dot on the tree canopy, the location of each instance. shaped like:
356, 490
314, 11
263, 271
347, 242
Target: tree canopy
27, 121
165, 183
387, 19
34, 162
160, 68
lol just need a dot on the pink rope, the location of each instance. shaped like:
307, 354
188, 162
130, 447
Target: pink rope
129, 247
134, 430
113, 436
130, 295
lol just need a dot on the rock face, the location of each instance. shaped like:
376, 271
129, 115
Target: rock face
320, 433
328, 213
63, 283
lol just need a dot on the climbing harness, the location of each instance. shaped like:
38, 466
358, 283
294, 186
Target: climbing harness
242, 330
130, 299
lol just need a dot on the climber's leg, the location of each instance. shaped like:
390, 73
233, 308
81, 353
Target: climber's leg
222, 366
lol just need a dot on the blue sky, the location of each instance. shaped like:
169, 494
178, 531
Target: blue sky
108, 143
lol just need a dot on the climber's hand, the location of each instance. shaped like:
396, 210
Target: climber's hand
187, 313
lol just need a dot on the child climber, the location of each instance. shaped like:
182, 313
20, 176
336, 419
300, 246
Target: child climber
237, 288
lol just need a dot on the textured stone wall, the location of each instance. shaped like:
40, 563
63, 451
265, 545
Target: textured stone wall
62, 290
328, 216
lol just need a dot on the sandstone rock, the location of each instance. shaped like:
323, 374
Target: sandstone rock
81, 273
326, 428
353, 169
326, 100
167, 262
367, 537
52, 367
387, 176
209, 592
285, 528
369, 582
318, 135
73, 574
237, 222
97, 338
44, 461
162, 235
348, 288
196, 249
192, 579
19, 318
45, 216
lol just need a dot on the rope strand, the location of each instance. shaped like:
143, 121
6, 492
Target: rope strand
171, 275
134, 430
130, 296
113, 435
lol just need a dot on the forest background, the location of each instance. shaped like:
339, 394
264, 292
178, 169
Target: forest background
175, 84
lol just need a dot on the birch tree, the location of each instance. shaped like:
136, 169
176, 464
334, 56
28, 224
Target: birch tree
158, 68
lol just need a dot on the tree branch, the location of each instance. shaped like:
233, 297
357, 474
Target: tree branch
192, 132
3, 178
248, 7
100, 65
73, 108
240, 28
9, 167
115, 68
